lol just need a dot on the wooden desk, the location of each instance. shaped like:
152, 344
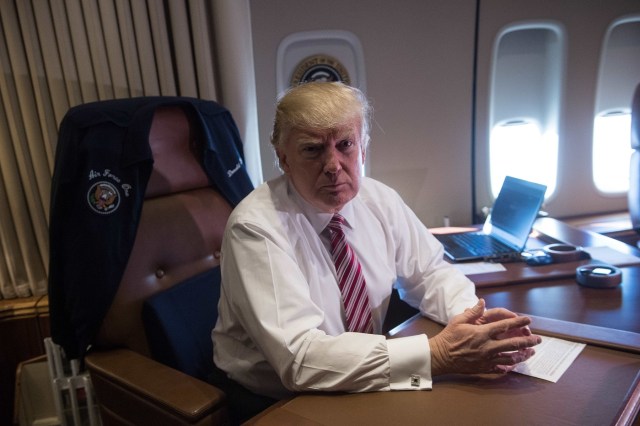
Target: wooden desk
562, 232
560, 297
601, 387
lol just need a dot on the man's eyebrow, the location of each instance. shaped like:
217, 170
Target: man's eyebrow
345, 133
309, 140
308, 136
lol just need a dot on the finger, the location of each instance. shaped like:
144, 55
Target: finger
514, 358
499, 327
514, 344
515, 332
503, 369
496, 314
479, 308
470, 315
482, 304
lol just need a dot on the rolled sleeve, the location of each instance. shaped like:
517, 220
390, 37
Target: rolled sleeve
410, 363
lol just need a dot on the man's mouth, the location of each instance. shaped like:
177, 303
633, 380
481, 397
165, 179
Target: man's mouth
333, 186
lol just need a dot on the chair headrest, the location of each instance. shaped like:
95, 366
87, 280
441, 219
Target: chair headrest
176, 158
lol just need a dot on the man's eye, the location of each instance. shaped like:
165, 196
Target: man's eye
346, 143
310, 149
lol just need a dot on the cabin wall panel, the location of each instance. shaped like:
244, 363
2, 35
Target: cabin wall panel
419, 73
585, 24
419, 68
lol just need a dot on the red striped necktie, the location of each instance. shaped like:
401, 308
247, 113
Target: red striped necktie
350, 279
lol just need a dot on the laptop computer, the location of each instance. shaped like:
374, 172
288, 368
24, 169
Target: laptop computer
506, 230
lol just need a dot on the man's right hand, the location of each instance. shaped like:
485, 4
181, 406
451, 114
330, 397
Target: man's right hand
469, 344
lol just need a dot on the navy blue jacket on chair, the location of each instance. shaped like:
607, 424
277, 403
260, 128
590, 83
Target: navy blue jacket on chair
102, 167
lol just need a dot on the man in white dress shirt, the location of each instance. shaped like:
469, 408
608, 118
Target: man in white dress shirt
281, 326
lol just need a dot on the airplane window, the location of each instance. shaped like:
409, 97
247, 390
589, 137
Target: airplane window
617, 79
518, 148
612, 151
524, 105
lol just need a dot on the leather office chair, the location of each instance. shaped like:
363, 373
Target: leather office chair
634, 171
150, 359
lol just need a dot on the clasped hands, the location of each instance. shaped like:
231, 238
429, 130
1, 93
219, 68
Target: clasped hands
479, 341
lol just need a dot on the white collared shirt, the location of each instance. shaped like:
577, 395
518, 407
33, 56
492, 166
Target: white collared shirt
281, 324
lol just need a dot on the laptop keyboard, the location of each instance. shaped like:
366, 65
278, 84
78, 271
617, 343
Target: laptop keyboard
478, 244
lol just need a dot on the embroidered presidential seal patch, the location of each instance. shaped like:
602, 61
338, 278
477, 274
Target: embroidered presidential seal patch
103, 197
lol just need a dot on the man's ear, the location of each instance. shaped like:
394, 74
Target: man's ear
282, 161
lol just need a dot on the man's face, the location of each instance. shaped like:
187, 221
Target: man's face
324, 166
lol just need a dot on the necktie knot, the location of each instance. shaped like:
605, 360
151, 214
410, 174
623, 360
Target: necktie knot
335, 225
335, 233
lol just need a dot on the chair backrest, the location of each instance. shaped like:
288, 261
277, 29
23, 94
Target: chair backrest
176, 253
634, 171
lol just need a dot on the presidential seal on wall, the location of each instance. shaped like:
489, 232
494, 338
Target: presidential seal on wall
319, 68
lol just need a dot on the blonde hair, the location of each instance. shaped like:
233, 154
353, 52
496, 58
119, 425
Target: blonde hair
320, 106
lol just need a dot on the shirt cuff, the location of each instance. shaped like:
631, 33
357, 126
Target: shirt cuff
410, 363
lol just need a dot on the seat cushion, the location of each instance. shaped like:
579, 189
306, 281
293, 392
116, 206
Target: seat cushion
178, 323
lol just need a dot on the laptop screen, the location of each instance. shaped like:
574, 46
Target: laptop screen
516, 208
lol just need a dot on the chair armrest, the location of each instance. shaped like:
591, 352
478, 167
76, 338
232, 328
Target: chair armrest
143, 391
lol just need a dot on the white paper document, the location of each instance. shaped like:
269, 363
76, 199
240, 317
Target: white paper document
553, 357
470, 268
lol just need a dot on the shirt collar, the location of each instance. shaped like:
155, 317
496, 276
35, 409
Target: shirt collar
319, 219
